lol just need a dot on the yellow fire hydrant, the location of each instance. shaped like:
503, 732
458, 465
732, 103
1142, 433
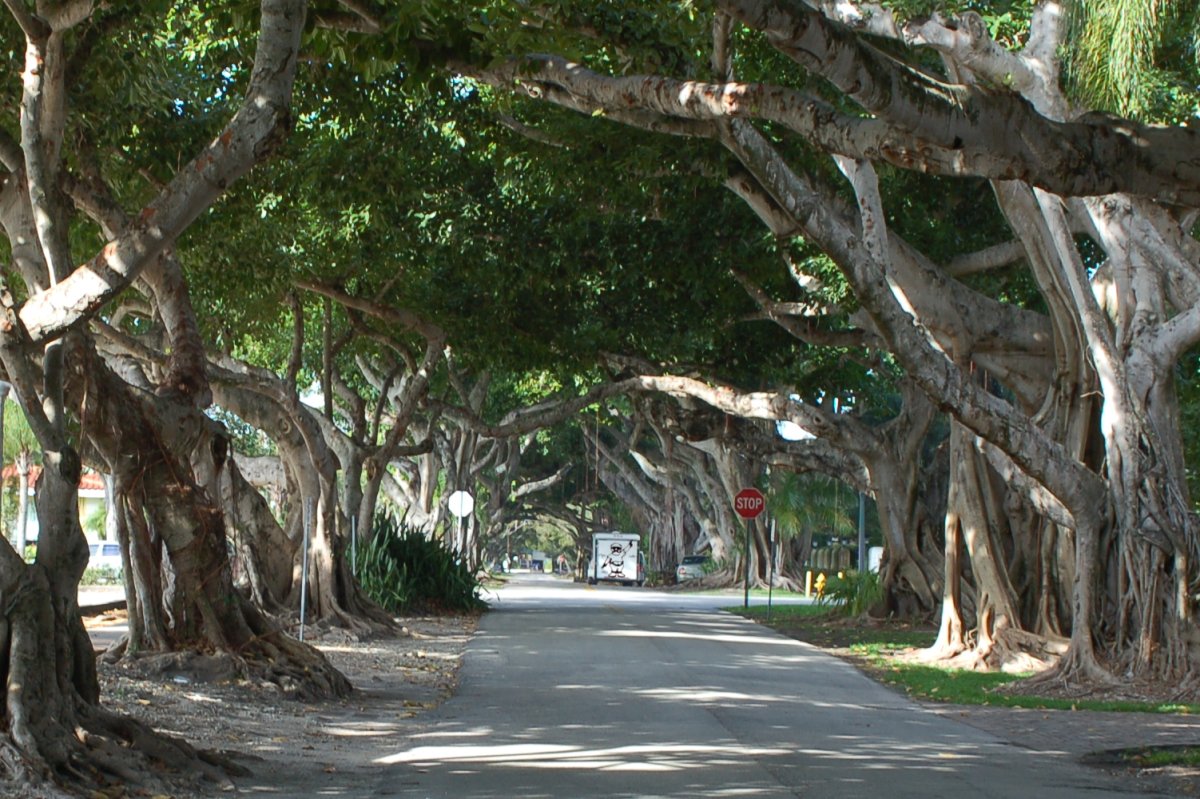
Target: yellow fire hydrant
821, 584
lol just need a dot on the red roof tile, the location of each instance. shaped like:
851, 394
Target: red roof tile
90, 481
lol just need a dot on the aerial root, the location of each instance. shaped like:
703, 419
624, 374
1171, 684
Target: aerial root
940, 651
1083, 674
297, 669
113, 733
1010, 650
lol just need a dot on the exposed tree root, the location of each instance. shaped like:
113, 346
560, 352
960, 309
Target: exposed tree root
59, 741
729, 578
300, 671
1009, 651
721, 578
113, 753
18, 778
277, 662
123, 732
1075, 675
373, 622
941, 651
343, 629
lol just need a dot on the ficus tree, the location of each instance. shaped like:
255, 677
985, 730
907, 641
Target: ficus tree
1090, 374
62, 194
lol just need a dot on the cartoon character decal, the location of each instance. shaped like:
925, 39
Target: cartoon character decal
614, 561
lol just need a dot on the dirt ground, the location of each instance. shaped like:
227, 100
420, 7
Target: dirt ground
290, 747
294, 748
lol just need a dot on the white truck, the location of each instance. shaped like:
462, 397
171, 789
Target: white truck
616, 559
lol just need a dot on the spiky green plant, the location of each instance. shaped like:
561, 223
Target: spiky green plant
854, 592
405, 572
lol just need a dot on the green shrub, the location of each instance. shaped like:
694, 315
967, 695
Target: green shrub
100, 575
855, 592
405, 572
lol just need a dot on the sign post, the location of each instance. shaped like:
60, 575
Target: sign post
771, 573
748, 504
308, 523
460, 504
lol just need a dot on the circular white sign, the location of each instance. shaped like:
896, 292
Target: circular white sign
461, 503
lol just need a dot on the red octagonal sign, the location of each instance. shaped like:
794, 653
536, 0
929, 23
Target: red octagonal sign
749, 502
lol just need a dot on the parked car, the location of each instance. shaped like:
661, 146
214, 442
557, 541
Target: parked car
692, 567
105, 554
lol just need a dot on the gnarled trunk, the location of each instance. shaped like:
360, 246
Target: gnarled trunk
183, 594
332, 595
263, 551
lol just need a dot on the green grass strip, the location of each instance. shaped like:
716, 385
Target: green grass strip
1166, 756
963, 687
779, 612
877, 648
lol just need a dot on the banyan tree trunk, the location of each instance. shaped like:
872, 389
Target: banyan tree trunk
54, 731
333, 597
183, 585
263, 550
911, 572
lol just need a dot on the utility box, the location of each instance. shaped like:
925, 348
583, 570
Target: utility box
615, 559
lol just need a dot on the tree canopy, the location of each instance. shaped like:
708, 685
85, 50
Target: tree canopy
282, 267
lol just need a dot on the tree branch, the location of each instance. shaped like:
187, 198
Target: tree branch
386, 313
1095, 156
32, 26
253, 133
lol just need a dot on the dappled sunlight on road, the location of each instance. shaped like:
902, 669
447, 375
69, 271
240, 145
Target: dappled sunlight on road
621, 693
843, 765
640, 757
365, 730
474, 732
894, 756
703, 696
723, 638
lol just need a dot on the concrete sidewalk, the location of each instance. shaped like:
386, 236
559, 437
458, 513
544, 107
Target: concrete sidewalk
96, 595
1079, 735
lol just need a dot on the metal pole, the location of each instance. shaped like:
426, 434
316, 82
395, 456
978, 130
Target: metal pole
771, 572
746, 598
308, 517
354, 546
862, 533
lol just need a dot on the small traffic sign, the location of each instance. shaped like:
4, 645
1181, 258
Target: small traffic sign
749, 502
460, 504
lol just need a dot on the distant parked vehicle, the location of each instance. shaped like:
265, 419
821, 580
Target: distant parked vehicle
692, 567
105, 554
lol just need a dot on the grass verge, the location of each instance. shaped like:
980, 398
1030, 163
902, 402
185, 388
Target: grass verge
877, 649
756, 593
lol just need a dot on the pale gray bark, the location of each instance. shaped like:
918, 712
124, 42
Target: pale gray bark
246, 139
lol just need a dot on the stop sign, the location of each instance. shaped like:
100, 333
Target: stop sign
749, 502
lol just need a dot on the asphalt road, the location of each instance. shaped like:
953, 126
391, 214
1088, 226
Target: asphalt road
569, 691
